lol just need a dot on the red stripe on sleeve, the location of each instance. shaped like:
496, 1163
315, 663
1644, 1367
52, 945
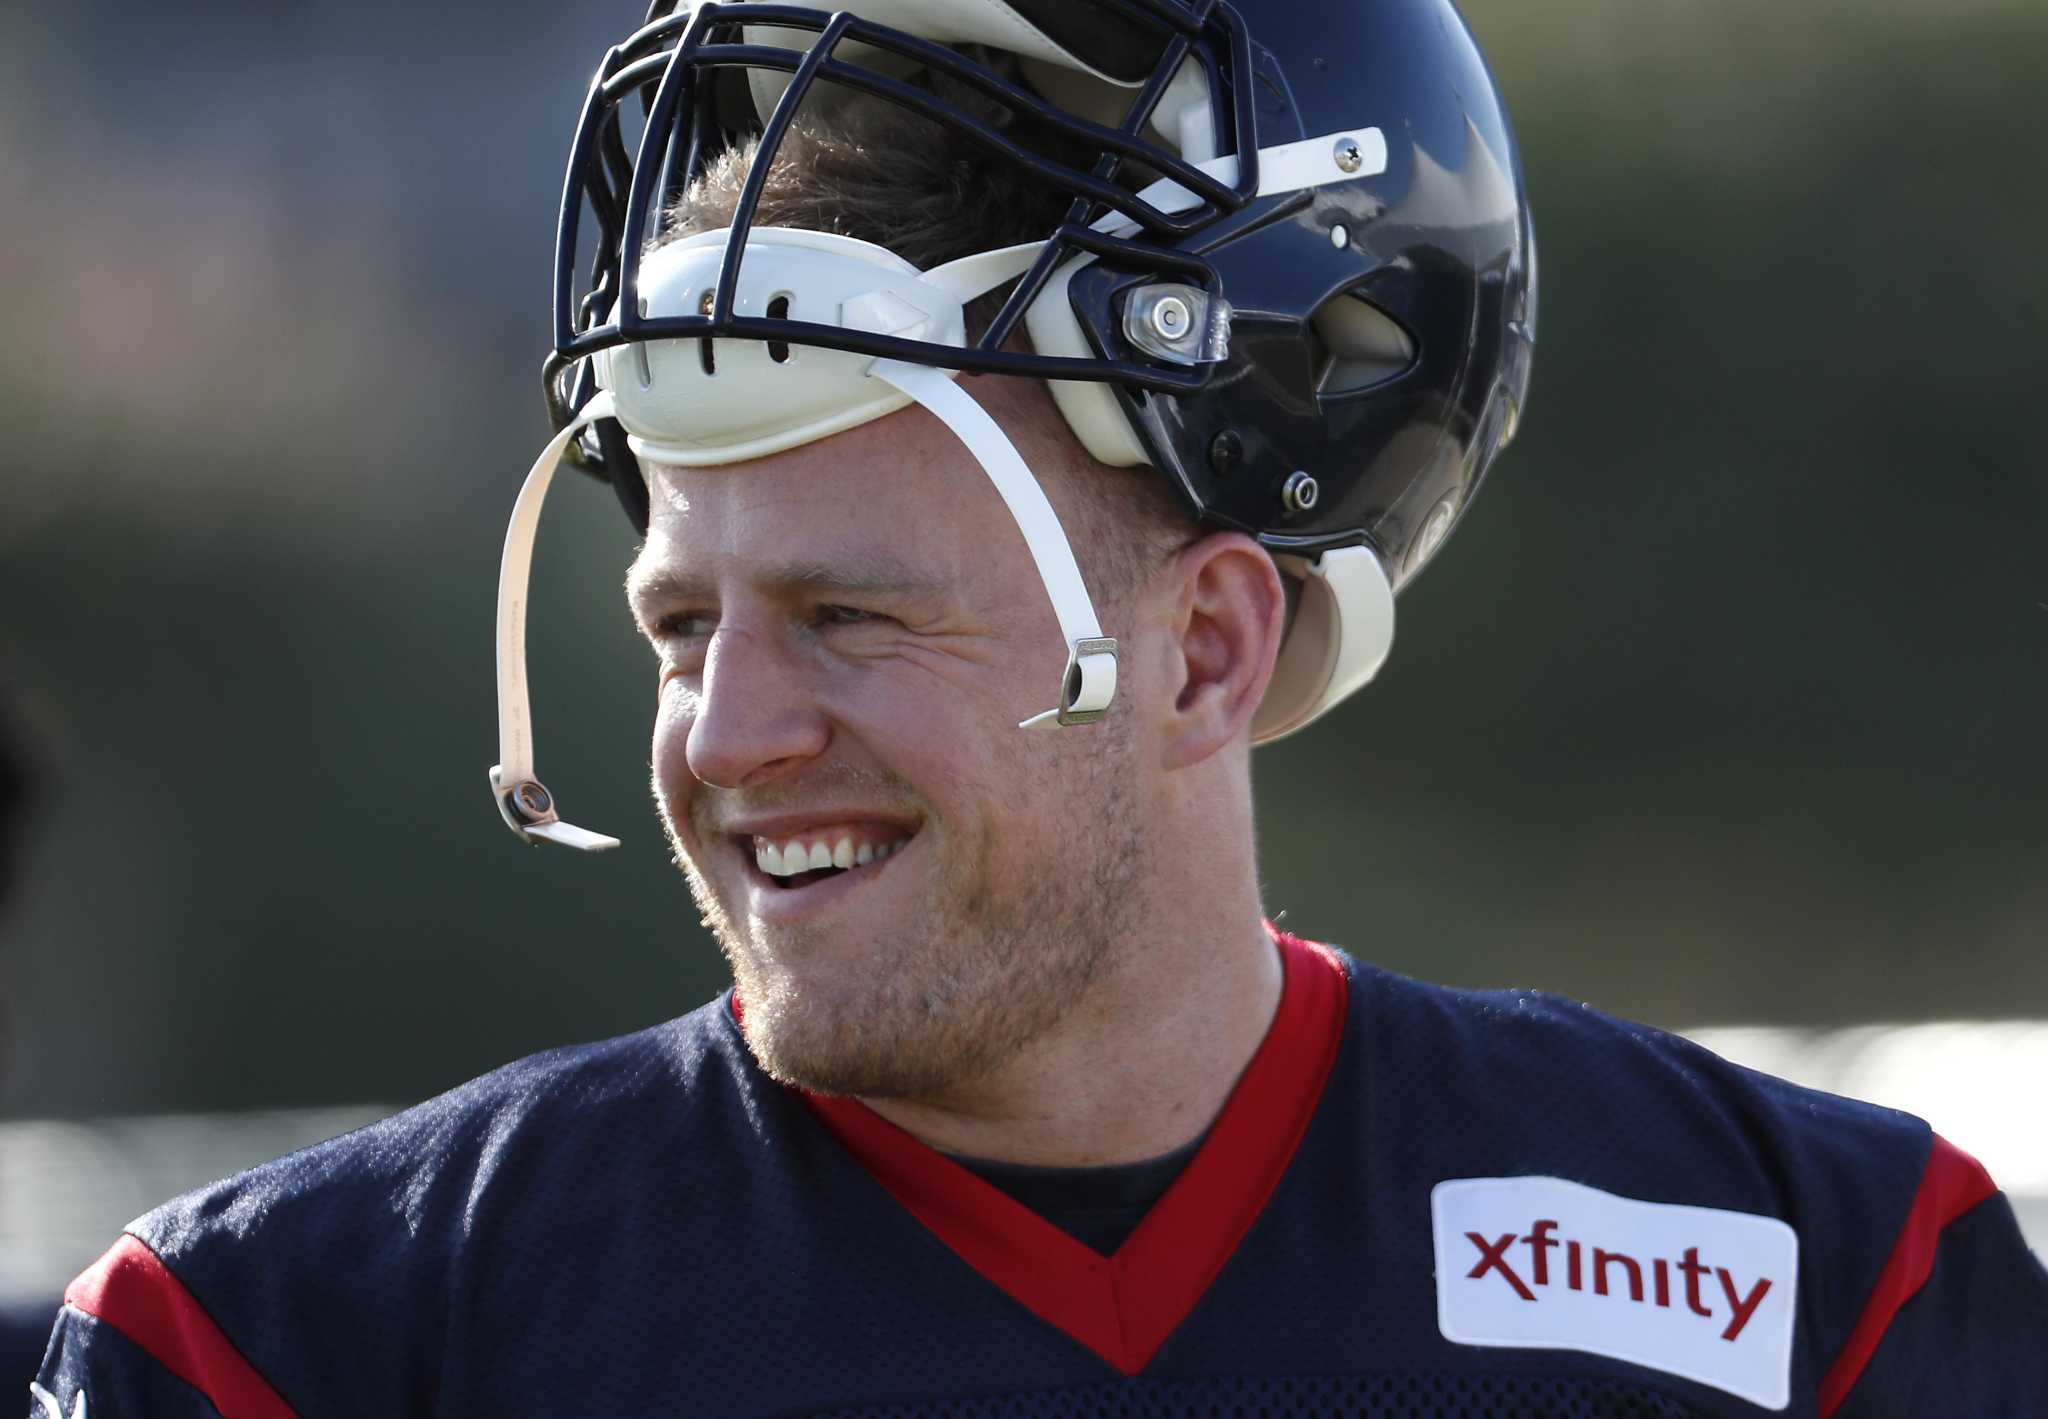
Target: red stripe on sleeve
1953, 1183
133, 1291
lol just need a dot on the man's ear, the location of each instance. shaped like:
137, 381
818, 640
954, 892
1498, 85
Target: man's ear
1229, 613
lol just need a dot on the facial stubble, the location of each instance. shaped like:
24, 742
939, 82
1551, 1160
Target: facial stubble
1009, 934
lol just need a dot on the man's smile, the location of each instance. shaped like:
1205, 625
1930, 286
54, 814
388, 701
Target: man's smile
797, 858
797, 863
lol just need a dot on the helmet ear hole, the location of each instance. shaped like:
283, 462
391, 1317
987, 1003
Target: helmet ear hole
1359, 345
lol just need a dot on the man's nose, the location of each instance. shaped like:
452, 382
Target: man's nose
755, 713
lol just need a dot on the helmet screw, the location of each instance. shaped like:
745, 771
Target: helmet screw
1170, 317
1226, 452
1348, 157
532, 801
1299, 492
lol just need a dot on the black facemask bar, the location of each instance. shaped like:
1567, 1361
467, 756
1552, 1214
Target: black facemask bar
670, 66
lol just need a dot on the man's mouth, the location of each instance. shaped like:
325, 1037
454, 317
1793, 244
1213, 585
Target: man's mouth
799, 859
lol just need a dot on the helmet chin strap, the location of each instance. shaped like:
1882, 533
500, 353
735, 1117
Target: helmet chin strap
1089, 682
1087, 686
527, 807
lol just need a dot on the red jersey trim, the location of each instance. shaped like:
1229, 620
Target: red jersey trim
132, 1290
1123, 1307
1952, 1184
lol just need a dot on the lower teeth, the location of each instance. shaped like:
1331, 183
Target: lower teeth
804, 879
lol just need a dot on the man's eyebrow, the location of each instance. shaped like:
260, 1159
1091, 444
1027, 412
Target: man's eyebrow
870, 575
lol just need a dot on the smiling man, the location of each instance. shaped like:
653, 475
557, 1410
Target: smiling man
960, 922
1030, 406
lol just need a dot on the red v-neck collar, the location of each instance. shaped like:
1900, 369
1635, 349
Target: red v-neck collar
1123, 1307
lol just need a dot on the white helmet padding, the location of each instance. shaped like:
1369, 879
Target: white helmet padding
1090, 408
678, 408
1343, 628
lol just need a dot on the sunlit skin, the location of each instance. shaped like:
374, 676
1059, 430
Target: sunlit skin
1062, 961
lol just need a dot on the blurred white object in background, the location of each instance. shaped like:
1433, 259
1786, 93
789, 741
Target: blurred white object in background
67, 1187
1983, 1086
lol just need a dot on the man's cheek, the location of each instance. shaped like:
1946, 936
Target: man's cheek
673, 716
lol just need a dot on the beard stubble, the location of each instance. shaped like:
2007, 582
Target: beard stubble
989, 959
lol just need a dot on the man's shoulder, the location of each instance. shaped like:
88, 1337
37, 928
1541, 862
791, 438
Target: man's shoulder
556, 1185
428, 1175
1521, 1083
1569, 1068
1527, 1121
1513, 1102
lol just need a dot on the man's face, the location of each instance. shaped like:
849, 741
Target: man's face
849, 633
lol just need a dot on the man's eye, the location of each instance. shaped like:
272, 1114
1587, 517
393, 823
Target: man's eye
684, 625
845, 616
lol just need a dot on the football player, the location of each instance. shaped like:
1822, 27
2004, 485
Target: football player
1029, 406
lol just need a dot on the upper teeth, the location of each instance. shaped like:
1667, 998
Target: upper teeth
786, 859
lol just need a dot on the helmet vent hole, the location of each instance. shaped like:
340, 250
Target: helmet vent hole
704, 354
778, 309
1360, 345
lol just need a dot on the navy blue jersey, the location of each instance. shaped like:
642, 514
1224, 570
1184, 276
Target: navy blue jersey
1416, 1201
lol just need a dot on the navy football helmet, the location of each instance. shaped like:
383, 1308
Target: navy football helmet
1296, 276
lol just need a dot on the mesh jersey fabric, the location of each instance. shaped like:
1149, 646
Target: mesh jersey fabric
650, 1226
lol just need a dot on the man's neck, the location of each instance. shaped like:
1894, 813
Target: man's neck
1137, 1069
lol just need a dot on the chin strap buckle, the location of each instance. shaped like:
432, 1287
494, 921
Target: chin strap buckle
529, 810
1087, 688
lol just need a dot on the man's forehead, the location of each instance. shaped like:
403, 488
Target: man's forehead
848, 511
666, 570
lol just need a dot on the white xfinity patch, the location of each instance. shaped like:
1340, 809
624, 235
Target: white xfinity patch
1543, 1263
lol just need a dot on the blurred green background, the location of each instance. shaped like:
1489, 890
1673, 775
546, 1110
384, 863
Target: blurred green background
1726, 704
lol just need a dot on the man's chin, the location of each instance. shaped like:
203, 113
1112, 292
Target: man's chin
822, 1057
837, 1026
917, 992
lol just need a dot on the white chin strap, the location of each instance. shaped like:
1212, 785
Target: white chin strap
1086, 688
528, 808
1089, 683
